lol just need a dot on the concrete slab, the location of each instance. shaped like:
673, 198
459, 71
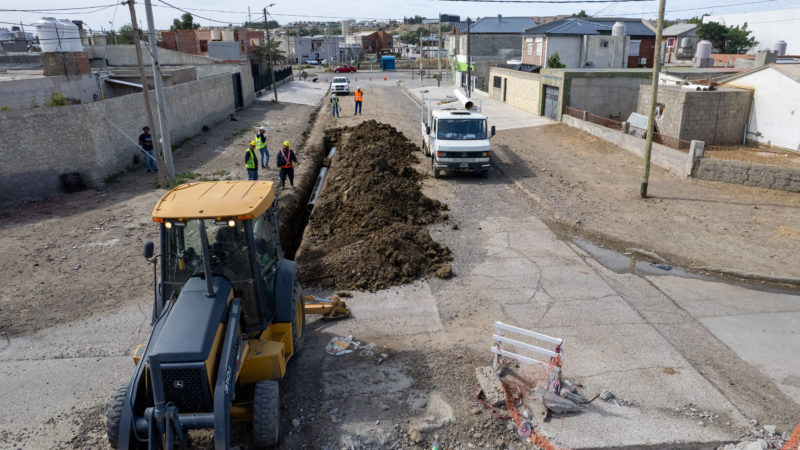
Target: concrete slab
301, 92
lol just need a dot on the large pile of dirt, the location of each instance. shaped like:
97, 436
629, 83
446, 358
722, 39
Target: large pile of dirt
368, 229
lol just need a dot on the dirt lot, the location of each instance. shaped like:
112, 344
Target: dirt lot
80, 255
588, 186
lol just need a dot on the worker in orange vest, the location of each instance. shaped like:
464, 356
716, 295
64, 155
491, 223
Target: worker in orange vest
286, 161
359, 97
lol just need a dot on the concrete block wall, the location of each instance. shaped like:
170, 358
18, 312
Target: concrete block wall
660, 155
522, 89
125, 55
608, 96
749, 174
88, 144
28, 92
715, 117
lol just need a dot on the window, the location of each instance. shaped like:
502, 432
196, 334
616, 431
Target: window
462, 129
670, 42
254, 41
530, 48
633, 48
203, 46
497, 82
603, 44
538, 48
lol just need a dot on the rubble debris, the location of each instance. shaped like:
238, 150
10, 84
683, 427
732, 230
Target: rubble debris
368, 229
490, 385
606, 395
554, 403
415, 435
444, 272
573, 396
340, 346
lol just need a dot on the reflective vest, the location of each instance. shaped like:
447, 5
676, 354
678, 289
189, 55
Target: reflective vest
359, 96
259, 144
251, 159
287, 164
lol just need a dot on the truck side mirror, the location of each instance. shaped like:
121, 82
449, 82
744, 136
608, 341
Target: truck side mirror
428, 130
148, 249
493, 130
261, 246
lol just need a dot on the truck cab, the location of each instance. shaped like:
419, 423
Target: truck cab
457, 140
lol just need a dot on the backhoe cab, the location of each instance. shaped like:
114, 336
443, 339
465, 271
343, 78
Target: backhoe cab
227, 317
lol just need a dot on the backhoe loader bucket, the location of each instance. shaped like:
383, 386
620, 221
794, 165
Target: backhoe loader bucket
329, 308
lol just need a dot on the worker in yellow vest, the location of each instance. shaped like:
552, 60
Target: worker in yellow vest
261, 146
251, 162
358, 97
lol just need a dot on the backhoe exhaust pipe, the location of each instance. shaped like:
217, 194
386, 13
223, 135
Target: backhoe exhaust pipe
465, 101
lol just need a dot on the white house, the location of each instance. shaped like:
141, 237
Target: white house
775, 113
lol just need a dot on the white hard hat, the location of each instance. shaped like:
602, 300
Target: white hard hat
263, 128
334, 95
359, 88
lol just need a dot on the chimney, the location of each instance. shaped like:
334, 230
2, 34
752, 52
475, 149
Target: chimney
499, 18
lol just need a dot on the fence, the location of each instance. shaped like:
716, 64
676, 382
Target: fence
264, 80
658, 138
754, 155
606, 122
576, 113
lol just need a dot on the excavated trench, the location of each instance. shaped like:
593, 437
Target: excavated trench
368, 228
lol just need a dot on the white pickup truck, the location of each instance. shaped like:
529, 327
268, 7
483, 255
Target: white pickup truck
456, 139
340, 85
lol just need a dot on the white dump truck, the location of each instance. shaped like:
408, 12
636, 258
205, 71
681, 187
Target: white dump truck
455, 135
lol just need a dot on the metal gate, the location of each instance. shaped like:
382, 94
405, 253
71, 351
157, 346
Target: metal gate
238, 101
551, 102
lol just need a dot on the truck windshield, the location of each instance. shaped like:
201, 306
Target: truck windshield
183, 257
461, 129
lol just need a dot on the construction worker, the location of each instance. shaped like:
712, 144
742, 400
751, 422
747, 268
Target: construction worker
335, 105
146, 142
251, 162
261, 146
286, 160
358, 97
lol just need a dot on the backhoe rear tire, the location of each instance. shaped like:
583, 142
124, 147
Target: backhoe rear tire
298, 318
266, 414
114, 414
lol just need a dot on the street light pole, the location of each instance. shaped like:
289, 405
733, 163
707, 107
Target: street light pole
439, 53
653, 97
269, 52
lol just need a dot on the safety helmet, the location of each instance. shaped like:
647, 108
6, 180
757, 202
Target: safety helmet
253, 143
285, 143
358, 88
334, 95
263, 128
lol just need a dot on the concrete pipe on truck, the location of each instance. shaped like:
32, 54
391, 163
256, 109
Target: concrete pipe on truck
465, 101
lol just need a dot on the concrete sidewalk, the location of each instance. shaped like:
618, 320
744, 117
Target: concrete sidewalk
300, 92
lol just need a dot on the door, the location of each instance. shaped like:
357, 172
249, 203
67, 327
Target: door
505, 88
238, 101
551, 102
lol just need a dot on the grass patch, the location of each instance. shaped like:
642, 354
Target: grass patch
221, 173
184, 177
113, 178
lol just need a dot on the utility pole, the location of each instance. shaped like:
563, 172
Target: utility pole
653, 97
421, 53
163, 123
439, 53
269, 51
162, 176
469, 66
249, 19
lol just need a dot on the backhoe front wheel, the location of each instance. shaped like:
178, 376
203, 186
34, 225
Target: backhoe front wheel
298, 318
114, 414
266, 414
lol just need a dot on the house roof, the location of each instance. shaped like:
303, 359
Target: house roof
569, 26
678, 28
497, 25
790, 70
633, 27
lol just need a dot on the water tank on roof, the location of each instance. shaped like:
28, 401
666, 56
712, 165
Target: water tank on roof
780, 47
216, 35
227, 35
72, 37
50, 30
618, 29
686, 42
703, 50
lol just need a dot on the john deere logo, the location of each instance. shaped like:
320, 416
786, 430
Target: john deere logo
178, 384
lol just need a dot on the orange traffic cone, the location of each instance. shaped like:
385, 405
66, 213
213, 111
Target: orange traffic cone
356, 78
326, 78
384, 78
370, 78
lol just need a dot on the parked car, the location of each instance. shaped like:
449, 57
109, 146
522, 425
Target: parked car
313, 62
340, 85
325, 61
345, 69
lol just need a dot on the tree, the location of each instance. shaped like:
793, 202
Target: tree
410, 37
698, 20
273, 47
582, 13
554, 62
124, 35
727, 39
186, 22
412, 20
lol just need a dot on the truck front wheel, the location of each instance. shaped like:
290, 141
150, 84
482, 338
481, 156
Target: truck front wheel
433, 166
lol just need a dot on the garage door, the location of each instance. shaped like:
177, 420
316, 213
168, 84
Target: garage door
551, 102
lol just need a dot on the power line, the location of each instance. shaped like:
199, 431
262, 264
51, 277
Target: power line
566, 2
697, 9
57, 9
199, 16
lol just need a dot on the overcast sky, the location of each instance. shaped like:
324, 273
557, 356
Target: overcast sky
235, 11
